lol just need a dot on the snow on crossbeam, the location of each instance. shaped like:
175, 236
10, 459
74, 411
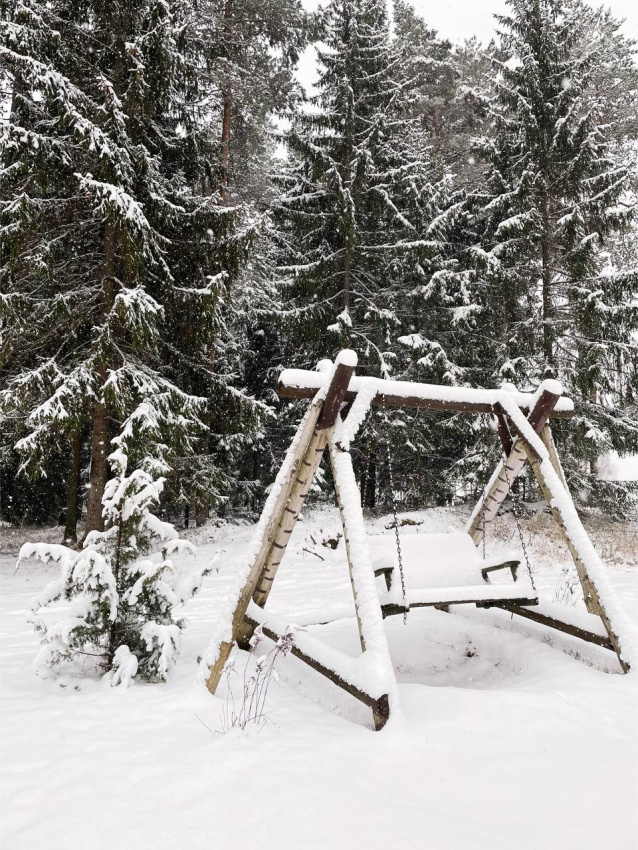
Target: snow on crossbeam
302, 383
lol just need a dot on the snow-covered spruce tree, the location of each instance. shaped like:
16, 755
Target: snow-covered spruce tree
122, 593
345, 177
443, 87
117, 253
362, 232
252, 47
555, 192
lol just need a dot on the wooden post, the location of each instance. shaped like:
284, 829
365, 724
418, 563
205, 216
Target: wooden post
590, 593
548, 442
334, 448
510, 468
301, 483
304, 435
504, 433
311, 443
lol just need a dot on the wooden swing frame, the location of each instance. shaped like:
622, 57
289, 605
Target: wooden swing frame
524, 439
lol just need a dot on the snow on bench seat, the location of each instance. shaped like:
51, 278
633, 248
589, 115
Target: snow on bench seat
433, 560
443, 569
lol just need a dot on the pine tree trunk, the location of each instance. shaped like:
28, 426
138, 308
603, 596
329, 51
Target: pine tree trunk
347, 180
100, 440
226, 115
73, 491
346, 275
100, 435
227, 108
548, 346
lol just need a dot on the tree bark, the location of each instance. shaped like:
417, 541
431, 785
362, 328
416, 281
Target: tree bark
546, 274
73, 490
346, 273
100, 435
227, 108
201, 514
226, 116
100, 439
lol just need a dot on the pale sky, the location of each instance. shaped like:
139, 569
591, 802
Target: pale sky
461, 19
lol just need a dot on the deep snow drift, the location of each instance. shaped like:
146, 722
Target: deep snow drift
503, 741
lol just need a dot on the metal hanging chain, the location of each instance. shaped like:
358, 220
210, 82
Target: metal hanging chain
366, 483
395, 514
483, 519
515, 505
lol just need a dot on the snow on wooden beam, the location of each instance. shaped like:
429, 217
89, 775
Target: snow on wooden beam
561, 618
325, 661
301, 383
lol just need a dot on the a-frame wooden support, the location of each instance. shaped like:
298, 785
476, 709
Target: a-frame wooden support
510, 467
370, 678
278, 522
533, 438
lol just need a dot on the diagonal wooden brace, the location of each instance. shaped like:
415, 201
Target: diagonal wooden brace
591, 596
509, 469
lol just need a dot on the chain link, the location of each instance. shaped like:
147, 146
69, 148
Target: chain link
395, 514
515, 505
483, 511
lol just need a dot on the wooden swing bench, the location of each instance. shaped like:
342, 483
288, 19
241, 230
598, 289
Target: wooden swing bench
443, 570
440, 570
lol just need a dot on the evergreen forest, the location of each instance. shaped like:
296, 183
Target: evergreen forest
182, 217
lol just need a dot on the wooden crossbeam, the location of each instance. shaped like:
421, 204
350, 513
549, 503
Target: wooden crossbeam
297, 383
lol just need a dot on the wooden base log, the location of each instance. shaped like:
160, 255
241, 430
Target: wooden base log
553, 622
380, 705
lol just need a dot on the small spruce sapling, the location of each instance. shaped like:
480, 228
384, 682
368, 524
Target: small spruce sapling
120, 592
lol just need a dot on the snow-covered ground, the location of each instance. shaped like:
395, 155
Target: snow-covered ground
504, 741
